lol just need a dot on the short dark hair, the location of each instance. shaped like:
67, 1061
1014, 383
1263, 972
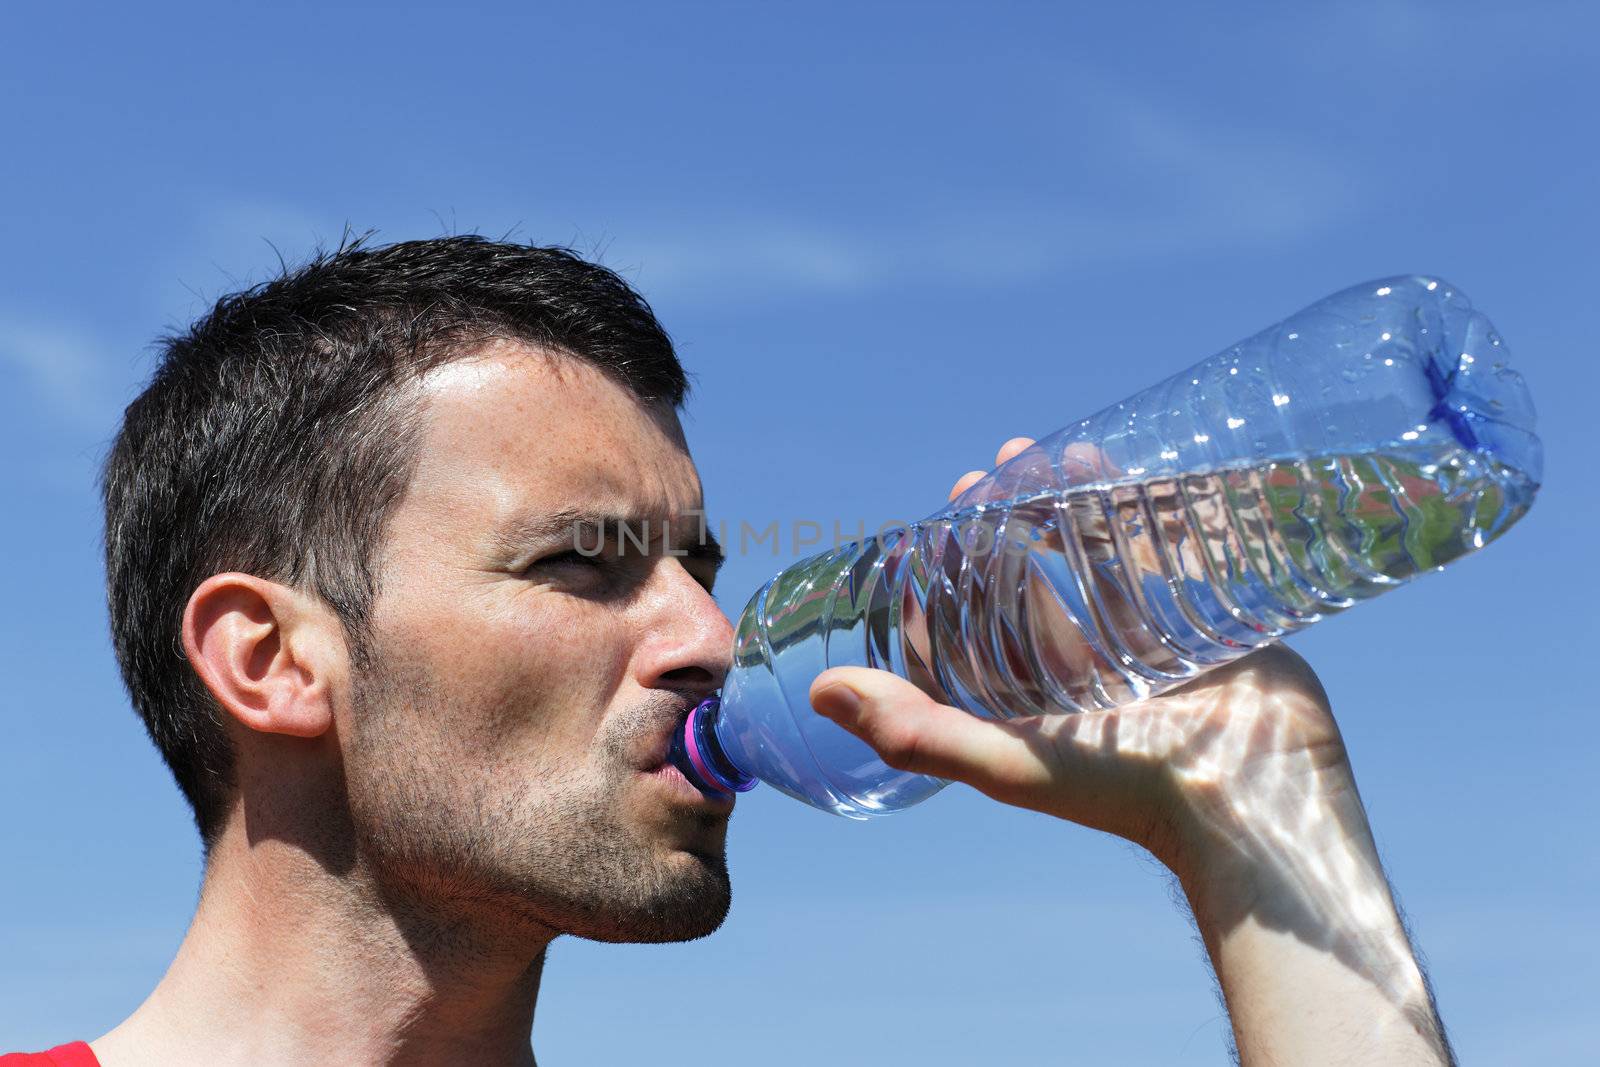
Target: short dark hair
275, 438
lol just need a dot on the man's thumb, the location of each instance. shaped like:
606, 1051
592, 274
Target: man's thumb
912, 732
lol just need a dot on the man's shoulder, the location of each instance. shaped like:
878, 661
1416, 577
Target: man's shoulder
72, 1054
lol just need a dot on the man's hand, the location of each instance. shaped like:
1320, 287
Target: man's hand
1239, 783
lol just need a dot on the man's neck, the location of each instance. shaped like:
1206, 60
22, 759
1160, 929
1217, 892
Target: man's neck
288, 962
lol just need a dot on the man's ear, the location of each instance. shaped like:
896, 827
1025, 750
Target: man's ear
268, 653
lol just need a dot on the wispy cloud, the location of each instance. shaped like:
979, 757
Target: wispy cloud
230, 242
1157, 182
1527, 36
63, 370
1141, 179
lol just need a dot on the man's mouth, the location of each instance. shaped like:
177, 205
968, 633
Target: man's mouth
657, 760
659, 752
674, 779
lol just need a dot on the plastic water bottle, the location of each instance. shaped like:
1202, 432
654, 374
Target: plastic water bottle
1376, 435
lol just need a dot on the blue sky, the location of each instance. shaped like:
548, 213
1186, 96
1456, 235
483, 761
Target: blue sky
885, 237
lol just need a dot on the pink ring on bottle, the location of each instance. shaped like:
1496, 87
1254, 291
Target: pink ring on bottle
693, 749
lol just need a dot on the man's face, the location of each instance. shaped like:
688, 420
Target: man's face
508, 736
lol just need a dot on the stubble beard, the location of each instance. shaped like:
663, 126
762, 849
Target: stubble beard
522, 852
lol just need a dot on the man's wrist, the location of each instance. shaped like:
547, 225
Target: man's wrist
1299, 922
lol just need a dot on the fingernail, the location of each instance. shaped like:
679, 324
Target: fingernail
838, 702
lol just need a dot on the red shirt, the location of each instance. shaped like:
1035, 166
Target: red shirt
76, 1054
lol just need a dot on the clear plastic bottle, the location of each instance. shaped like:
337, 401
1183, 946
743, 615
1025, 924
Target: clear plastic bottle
1374, 436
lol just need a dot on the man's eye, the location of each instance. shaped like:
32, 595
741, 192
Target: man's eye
569, 558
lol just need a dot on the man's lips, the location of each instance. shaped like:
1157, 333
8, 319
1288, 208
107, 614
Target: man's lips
659, 752
674, 779
657, 761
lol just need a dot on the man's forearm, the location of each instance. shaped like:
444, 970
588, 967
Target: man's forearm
1240, 783
1314, 962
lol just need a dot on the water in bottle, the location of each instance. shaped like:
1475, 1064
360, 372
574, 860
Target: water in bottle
1377, 435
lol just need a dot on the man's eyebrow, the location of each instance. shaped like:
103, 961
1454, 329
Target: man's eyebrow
527, 531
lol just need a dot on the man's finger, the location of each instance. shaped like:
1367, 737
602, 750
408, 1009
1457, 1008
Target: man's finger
1097, 769
1011, 449
967, 481
1008, 451
912, 732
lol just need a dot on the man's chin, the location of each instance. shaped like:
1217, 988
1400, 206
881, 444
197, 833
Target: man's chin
691, 901
657, 933
685, 914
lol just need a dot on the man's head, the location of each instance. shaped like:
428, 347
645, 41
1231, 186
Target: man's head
344, 581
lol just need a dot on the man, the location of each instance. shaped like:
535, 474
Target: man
423, 735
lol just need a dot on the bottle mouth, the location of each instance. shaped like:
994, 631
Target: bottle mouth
1479, 396
699, 756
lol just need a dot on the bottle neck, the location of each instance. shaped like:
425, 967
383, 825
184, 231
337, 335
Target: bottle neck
698, 754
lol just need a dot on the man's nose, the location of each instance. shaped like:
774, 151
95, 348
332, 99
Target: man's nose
690, 644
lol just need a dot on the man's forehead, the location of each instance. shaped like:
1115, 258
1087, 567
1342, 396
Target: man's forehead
525, 430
